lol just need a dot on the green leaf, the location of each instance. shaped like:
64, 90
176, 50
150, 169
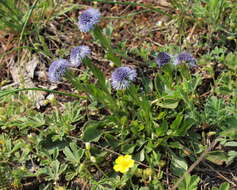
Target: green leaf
231, 156
74, 154
111, 140
128, 148
70, 175
55, 170
189, 182
231, 143
105, 43
178, 165
17, 146
159, 85
185, 125
141, 156
91, 132
230, 132
217, 157
112, 57
162, 129
168, 103
97, 73
225, 186
176, 123
184, 70
99, 94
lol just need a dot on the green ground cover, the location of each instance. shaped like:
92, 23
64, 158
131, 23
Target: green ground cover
177, 122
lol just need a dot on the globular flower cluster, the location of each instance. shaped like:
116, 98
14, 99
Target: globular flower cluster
162, 59
88, 19
182, 58
122, 77
57, 69
78, 54
185, 58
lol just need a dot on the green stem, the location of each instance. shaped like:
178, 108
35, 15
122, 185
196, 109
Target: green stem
27, 19
8, 92
106, 44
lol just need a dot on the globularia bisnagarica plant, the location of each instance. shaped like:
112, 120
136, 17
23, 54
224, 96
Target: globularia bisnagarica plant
131, 130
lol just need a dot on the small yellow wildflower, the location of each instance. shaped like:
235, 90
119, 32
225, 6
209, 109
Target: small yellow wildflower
123, 163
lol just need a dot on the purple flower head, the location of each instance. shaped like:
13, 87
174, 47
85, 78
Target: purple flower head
88, 19
78, 54
122, 77
162, 59
57, 69
185, 58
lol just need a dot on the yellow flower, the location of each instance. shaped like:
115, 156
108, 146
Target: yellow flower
123, 163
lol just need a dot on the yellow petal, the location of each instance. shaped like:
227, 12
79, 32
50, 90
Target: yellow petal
119, 160
117, 167
124, 169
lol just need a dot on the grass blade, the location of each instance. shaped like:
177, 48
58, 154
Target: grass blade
132, 4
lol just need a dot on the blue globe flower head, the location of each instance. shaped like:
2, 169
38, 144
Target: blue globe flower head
57, 69
185, 58
78, 54
162, 59
88, 19
122, 77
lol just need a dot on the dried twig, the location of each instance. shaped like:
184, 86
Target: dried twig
213, 144
218, 173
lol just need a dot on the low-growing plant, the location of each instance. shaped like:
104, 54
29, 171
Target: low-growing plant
142, 122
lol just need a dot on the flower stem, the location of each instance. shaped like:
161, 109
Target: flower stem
106, 44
